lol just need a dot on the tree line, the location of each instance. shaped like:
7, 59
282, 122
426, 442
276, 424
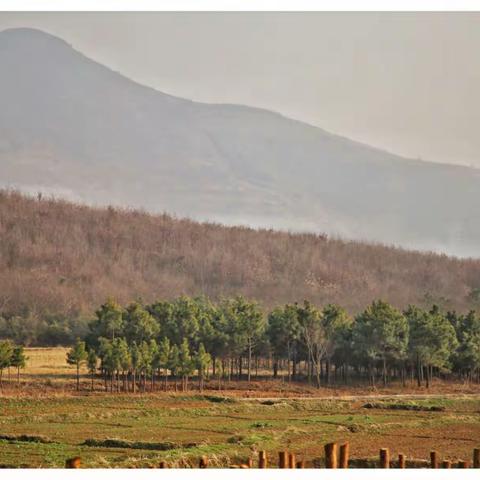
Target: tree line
145, 346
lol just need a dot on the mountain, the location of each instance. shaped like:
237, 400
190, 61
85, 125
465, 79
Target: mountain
74, 128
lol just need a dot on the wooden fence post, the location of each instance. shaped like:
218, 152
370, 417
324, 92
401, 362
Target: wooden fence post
433, 459
282, 459
203, 462
262, 459
344, 454
447, 464
476, 458
401, 460
384, 458
462, 464
291, 460
73, 462
301, 464
162, 464
331, 455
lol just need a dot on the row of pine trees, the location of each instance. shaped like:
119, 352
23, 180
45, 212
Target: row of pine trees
145, 347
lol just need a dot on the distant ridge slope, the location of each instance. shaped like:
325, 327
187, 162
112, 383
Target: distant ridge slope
71, 126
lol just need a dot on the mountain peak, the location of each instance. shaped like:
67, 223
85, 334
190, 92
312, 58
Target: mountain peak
30, 38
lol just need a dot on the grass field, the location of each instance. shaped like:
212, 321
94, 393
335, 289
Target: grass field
43, 422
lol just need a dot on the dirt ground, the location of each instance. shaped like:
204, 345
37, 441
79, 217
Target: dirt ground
44, 421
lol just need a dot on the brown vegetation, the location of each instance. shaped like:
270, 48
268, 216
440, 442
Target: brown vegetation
59, 258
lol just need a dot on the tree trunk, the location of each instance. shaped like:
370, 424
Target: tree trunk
275, 368
384, 372
249, 366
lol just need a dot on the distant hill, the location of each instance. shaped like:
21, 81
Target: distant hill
73, 127
58, 258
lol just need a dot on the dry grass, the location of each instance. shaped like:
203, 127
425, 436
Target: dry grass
47, 362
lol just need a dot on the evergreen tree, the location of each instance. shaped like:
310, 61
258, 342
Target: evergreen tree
432, 341
246, 326
467, 357
136, 358
107, 324
381, 334
314, 336
162, 360
202, 361
185, 363
18, 360
139, 325
77, 355
174, 361
92, 365
283, 332
6, 353
336, 323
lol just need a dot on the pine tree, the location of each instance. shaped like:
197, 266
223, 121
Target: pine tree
18, 360
92, 365
381, 334
6, 353
185, 363
77, 356
202, 361
163, 358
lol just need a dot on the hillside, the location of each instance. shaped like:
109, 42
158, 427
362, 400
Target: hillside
59, 258
75, 128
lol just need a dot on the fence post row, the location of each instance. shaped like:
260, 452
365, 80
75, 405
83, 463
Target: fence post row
288, 460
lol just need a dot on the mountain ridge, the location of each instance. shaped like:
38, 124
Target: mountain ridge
125, 143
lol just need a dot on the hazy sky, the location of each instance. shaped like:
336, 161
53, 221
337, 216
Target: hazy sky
406, 82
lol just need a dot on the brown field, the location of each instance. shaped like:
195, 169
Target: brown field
44, 421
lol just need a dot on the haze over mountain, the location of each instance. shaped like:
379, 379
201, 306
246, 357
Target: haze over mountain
73, 127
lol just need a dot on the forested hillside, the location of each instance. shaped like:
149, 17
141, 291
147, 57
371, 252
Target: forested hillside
59, 261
